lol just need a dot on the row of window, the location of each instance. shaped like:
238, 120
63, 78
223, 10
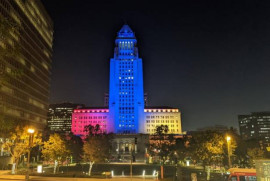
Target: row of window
83, 132
126, 62
126, 86
91, 117
126, 68
125, 45
17, 103
161, 121
125, 53
128, 82
126, 125
96, 122
126, 112
27, 78
126, 96
126, 78
121, 89
82, 126
127, 92
162, 117
126, 121
154, 125
126, 116
154, 130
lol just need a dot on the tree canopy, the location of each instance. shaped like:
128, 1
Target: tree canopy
55, 150
207, 147
18, 143
96, 147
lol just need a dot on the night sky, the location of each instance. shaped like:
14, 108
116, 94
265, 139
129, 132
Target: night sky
210, 59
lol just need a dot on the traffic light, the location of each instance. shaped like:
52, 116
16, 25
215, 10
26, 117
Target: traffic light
135, 140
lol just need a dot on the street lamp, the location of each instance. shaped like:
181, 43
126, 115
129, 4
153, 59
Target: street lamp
31, 132
229, 150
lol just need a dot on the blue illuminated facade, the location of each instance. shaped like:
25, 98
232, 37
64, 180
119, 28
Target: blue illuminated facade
126, 98
126, 113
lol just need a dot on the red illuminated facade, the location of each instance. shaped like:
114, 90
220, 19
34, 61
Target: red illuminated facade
90, 116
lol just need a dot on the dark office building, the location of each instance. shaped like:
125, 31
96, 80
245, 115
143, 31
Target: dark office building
255, 126
59, 117
25, 75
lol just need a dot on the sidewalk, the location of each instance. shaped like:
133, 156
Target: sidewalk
4, 172
38, 178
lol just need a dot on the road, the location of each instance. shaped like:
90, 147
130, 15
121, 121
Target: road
37, 178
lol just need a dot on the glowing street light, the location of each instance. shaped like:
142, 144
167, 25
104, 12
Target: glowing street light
229, 150
31, 131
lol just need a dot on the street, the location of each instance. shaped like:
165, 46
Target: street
38, 178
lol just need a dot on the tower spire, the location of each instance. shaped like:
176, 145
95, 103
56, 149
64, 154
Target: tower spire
125, 32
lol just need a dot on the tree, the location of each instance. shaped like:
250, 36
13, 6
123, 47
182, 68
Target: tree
239, 149
181, 146
55, 150
161, 145
18, 143
253, 154
75, 145
96, 147
207, 147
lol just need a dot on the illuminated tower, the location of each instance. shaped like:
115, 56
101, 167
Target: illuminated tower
126, 98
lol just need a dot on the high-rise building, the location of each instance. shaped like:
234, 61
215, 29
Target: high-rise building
126, 97
24, 93
59, 117
127, 113
255, 126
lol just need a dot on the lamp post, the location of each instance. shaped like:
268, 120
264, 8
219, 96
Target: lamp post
176, 162
228, 138
31, 132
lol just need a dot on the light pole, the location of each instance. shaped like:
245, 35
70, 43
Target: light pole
176, 162
228, 138
31, 132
